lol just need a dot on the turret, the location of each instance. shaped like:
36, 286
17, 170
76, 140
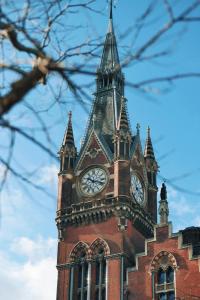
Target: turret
67, 155
68, 150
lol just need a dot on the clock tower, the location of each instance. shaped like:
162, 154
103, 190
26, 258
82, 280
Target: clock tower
107, 197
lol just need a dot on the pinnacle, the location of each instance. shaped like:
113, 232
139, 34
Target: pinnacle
148, 152
123, 119
69, 137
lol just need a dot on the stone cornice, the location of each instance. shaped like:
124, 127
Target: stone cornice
98, 210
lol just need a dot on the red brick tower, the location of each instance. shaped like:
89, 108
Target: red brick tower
107, 203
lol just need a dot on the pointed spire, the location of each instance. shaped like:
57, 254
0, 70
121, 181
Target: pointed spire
163, 205
110, 57
109, 89
148, 151
123, 118
69, 137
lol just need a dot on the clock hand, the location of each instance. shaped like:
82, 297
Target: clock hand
98, 181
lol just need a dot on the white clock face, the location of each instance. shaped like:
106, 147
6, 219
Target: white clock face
137, 189
93, 181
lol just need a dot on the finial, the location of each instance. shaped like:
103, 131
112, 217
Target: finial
110, 26
111, 4
138, 128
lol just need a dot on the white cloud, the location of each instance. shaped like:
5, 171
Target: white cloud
33, 279
182, 210
34, 250
48, 175
181, 206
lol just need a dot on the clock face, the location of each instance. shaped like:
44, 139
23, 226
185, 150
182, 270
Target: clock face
93, 181
137, 189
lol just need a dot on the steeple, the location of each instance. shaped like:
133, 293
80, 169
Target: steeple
148, 151
68, 150
109, 90
163, 205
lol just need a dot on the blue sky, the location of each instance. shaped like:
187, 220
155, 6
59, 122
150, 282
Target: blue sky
28, 232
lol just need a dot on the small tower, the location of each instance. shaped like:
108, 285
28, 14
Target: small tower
67, 155
152, 169
163, 205
68, 150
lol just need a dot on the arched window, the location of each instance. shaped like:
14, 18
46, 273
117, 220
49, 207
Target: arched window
163, 269
79, 272
100, 249
100, 275
82, 270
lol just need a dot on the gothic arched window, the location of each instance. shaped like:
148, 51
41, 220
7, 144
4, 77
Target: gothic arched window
99, 250
79, 272
100, 275
163, 269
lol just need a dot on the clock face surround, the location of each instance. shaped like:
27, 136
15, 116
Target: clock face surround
137, 189
93, 181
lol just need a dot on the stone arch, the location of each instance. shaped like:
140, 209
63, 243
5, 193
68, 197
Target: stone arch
99, 245
80, 249
163, 260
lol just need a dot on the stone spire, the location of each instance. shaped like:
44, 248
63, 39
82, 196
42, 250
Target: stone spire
148, 151
68, 150
163, 205
109, 90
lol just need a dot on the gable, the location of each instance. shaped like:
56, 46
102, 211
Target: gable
93, 152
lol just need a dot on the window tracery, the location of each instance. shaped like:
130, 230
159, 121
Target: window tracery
83, 258
163, 269
99, 249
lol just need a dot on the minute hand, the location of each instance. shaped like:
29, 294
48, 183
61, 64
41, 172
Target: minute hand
98, 181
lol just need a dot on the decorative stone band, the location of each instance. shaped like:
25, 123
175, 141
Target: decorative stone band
103, 209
